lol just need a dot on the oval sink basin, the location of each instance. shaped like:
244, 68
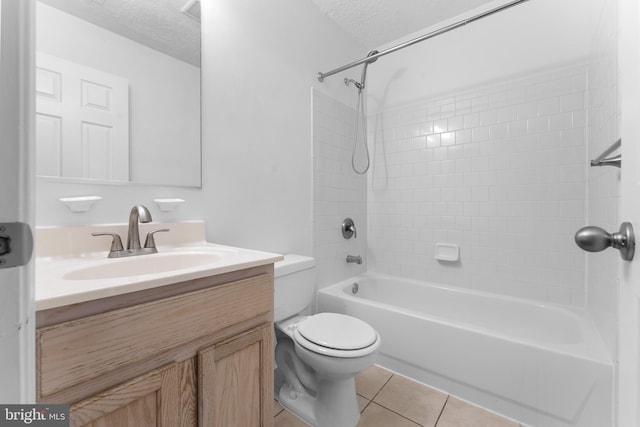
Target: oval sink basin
144, 264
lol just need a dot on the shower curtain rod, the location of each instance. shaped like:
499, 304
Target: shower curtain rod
372, 58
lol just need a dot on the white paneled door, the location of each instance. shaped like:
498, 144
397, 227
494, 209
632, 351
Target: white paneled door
82, 121
628, 413
17, 317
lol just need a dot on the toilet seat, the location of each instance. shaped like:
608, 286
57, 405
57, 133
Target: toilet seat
336, 335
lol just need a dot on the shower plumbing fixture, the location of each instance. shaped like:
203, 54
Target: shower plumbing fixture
363, 77
354, 259
357, 84
361, 116
349, 229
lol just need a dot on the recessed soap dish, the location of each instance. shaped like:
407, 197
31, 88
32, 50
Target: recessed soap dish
168, 205
447, 252
80, 204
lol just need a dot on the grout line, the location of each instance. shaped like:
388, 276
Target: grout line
391, 410
365, 406
385, 383
397, 413
441, 411
374, 396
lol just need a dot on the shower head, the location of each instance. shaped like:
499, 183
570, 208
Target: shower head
355, 83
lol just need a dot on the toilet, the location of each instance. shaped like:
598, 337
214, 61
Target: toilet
318, 355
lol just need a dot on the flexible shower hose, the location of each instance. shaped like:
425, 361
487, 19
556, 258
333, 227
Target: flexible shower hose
360, 114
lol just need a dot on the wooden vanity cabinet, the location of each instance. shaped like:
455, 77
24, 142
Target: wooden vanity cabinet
193, 354
231, 382
149, 400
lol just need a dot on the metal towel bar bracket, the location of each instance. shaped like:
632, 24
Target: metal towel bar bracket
611, 161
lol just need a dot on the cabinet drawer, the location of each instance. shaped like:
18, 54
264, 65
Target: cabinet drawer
74, 352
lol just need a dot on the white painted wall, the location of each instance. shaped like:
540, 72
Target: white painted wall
260, 60
116, 202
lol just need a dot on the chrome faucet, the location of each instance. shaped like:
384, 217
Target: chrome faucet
141, 214
357, 259
138, 214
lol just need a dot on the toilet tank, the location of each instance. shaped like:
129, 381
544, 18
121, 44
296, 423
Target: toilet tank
294, 285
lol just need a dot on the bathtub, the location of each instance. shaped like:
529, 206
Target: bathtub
540, 364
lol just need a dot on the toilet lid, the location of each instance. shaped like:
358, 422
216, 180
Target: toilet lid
338, 331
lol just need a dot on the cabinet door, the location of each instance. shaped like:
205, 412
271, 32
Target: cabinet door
151, 400
235, 381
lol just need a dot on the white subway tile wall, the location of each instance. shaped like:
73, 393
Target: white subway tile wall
338, 192
604, 182
499, 170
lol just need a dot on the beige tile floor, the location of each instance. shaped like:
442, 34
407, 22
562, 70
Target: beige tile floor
389, 400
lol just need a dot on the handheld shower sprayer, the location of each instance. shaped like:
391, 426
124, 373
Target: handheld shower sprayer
361, 117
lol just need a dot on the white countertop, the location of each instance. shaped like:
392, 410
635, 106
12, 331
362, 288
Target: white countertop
55, 289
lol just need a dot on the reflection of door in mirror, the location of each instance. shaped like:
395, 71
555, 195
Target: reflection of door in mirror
155, 47
82, 121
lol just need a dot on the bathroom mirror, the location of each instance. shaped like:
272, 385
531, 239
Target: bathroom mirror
118, 91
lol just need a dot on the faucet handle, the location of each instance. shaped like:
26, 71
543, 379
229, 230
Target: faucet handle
116, 243
150, 242
349, 229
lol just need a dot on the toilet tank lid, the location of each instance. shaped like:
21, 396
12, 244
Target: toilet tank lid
293, 263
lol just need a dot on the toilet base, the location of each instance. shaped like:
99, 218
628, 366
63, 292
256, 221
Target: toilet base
334, 406
297, 403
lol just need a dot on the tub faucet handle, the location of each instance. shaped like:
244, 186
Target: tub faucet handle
349, 229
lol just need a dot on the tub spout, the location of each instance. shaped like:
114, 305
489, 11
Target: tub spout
357, 259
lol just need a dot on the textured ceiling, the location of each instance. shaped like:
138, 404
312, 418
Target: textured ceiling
377, 22
158, 24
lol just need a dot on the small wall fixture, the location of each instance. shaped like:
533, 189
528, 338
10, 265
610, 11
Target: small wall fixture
447, 252
595, 239
80, 204
168, 205
611, 161
349, 229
